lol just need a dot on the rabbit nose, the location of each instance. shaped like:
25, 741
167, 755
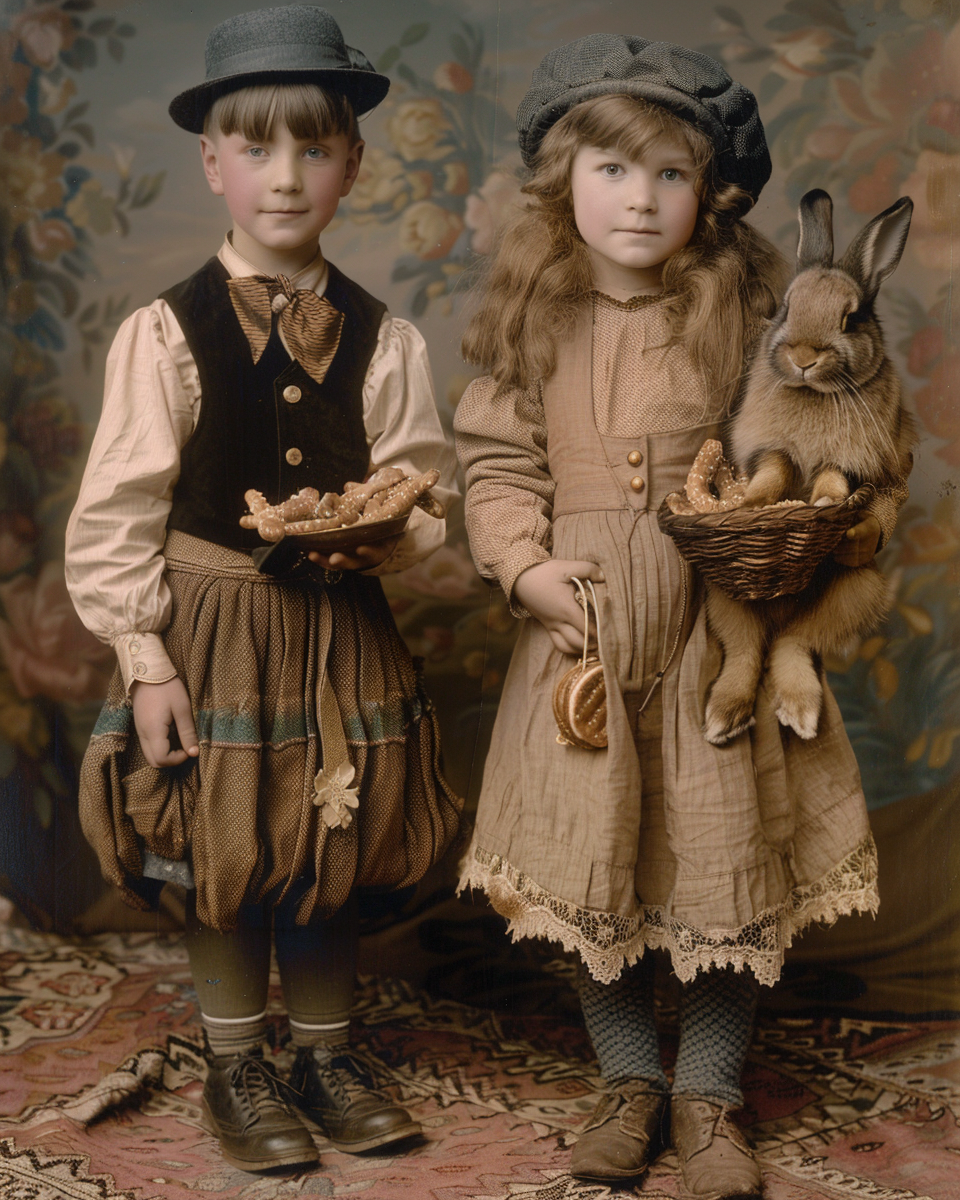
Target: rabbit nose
803, 357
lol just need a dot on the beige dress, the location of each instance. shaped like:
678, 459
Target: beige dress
717, 854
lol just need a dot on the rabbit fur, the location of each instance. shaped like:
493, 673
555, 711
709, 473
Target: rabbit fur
820, 416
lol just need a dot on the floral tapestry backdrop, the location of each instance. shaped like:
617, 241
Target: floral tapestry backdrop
860, 98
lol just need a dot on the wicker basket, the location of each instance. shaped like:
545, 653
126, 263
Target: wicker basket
758, 554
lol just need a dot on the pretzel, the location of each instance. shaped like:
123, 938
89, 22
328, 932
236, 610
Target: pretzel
388, 493
712, 485
356, 495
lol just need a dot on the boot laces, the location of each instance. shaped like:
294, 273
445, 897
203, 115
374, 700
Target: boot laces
261, 1089
347, 1076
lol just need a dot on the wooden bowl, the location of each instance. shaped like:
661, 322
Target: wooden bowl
348, 537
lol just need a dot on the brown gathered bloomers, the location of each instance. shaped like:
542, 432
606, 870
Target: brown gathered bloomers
252, 650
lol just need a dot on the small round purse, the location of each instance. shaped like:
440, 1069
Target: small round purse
580, 697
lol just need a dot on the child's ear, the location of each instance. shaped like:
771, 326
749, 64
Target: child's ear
211, 165
352, 168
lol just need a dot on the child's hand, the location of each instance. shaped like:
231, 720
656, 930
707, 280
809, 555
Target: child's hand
546, 592
360, 559
157, 706
859, 544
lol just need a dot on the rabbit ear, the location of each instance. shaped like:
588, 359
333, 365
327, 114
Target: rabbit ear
875, 251
815, 248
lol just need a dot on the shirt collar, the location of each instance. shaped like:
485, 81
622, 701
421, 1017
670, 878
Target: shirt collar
313, 276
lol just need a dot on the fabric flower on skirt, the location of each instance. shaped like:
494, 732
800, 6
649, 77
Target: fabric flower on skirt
334, 796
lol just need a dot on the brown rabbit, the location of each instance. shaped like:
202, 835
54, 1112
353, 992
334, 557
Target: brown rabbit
821, 416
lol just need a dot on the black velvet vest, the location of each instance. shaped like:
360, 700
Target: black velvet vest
248, 434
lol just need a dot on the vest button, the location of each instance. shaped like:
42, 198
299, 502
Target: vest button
637, 483
634, 458
292, 394
294, 457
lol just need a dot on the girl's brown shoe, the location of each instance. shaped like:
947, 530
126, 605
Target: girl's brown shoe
716, 1160
622, 1135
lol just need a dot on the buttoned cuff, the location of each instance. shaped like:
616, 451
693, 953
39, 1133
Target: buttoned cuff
143, 657
521, 556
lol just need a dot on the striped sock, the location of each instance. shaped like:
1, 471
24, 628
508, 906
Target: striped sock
334, 1036
229, 1036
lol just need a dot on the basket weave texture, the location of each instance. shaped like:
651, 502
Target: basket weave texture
762, 553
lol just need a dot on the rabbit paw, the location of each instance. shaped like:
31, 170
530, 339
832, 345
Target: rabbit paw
799, 713
824, 501
725, 721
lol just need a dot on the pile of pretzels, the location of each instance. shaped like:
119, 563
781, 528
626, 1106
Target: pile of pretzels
387, 494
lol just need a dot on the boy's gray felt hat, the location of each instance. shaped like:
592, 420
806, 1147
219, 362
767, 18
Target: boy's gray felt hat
692, 85
297, 43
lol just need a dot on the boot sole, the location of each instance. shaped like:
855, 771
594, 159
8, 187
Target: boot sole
413, 1129
607, 1176
290, 1159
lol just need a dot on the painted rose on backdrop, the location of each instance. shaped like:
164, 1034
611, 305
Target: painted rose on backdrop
419, 129
47, 650
42, 33
490, 205
428, 230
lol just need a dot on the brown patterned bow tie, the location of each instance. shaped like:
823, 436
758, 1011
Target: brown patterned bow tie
309, 323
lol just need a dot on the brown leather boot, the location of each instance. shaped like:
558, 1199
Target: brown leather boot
244, 1106
335, 1093
622, 1135
716, 1160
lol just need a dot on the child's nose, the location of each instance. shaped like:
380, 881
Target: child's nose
644, 196
286, 176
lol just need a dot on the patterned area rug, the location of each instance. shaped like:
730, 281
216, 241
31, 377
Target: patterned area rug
839, 1108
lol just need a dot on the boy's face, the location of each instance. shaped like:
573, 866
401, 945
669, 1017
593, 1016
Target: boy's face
281, 192
634, 214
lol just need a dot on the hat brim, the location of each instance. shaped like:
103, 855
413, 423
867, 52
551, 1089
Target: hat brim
676, 101
364, 90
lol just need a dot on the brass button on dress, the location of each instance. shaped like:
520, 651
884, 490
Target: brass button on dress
637, 483
292, 393
294, 457
634, 458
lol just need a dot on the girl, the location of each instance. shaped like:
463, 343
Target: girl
615, 324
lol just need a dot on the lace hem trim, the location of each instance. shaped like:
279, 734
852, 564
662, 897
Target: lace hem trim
605, 941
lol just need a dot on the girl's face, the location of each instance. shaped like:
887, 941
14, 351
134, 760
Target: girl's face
633, 213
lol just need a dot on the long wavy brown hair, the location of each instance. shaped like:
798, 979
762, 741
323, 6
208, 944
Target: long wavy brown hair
717, 289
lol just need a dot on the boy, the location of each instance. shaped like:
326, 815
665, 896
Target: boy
266, 369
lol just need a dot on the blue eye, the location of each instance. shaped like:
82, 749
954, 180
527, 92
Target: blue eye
314, 152
670, 174
256, 151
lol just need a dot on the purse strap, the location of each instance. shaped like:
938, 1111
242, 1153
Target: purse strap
588, 599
